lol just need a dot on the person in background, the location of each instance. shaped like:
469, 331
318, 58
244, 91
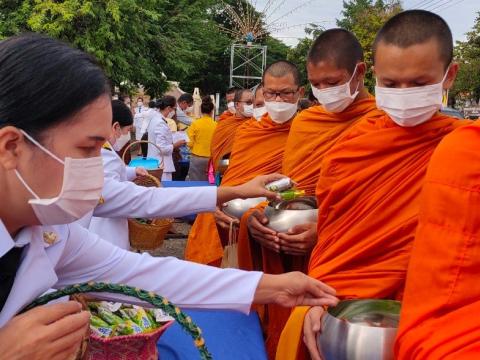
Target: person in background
258, 102
229, 97
200, 134
184, 107
160, 134
140, 105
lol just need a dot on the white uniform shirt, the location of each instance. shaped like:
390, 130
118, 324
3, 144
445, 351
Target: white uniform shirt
79, 256
160, 134
123, 199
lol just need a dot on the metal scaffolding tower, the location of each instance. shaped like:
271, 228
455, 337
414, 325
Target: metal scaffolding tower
247, 63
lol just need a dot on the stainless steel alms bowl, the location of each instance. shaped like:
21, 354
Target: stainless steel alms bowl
359, 330
288, 214
237, 207
223, 166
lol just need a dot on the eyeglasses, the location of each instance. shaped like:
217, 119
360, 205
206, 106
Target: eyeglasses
248, 102
286, 95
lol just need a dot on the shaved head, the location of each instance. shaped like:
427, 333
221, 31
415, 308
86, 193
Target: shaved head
337, 46
231, 90
239, 94
414, 27
281, 69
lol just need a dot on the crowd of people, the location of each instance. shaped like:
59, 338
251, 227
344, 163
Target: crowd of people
395, 180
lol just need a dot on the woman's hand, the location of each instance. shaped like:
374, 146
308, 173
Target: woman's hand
141, 171
252, 189
223, 220
179, 143
293, 289
299, 240
52, 332
312, 326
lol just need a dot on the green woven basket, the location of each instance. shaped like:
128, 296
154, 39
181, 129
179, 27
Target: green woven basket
157, 301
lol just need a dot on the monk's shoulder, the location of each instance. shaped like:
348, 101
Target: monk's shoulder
457, 157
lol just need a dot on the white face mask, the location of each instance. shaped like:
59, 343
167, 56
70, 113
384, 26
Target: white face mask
247, 110
281, 112
81, 190
121, 141
337, 98
231, 107
258, 112
413, 106
140, 104
189, 109
171, 114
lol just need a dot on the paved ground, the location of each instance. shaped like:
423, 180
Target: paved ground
174, 246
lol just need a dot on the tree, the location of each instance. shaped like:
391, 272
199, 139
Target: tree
364, 18
467, 53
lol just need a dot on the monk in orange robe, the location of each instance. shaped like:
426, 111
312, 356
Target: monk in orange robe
229, 97
371, 180
258, 149
439, 318
313, 132
222, 140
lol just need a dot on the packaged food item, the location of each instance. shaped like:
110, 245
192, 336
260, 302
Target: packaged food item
291, 194
100, 327
127, 328
109, 317
280, 185
140, 317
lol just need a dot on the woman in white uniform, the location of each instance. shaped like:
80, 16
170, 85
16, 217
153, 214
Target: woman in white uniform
160, 134
51, 173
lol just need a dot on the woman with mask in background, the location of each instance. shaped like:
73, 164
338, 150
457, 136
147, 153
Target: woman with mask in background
51, 173
160, 134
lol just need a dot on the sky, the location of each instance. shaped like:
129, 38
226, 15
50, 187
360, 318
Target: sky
460, 14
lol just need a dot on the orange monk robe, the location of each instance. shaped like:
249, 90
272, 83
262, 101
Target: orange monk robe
257, 150
313, 132
368, 195
226, 114
223, 137
441, 305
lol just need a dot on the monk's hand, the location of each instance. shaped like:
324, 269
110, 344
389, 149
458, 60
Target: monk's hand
294, 289
257, 187
312, 326
52, 332
266, 237
299, 240
223, 220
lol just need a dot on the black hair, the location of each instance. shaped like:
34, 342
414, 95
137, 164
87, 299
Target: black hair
304, 104
231, 90
413, 27
282, 68
121, 113
207, 105
140, 98
239, 93
339, 46
165, 102
152, 104
188, 98
34, 69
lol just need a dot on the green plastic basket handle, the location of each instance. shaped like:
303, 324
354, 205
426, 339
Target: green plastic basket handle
157, 301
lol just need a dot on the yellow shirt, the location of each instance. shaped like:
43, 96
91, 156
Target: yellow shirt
200, 134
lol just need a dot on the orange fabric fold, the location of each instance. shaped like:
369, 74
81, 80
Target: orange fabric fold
257, 150
313, 132
225, 115
368, 195
441, 303
223, 137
